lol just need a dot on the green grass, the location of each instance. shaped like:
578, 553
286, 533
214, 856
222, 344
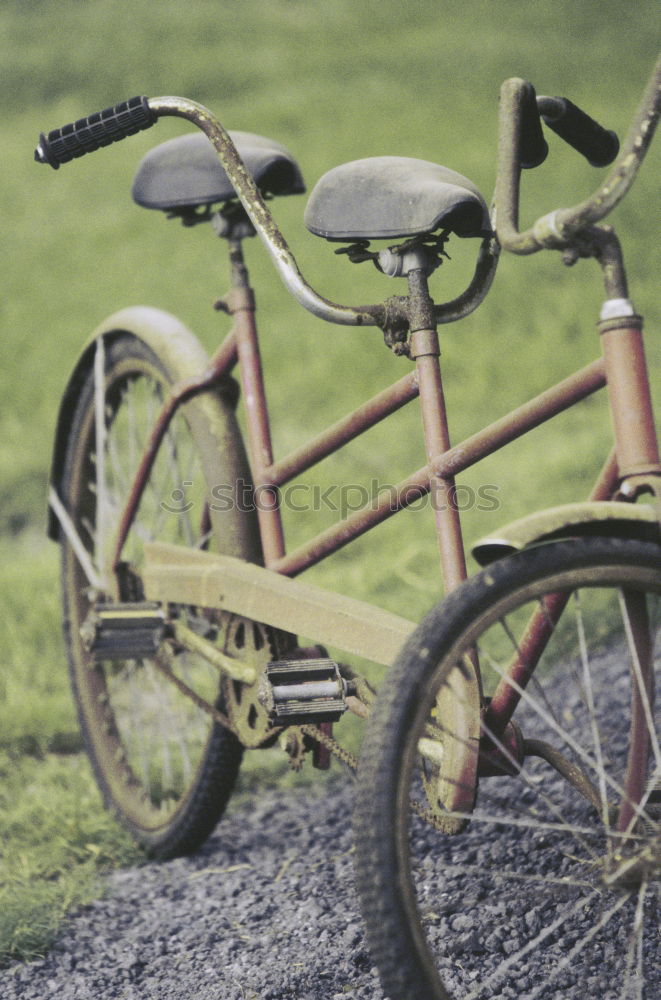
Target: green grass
57, 839
55, 835
333, 81
36, 714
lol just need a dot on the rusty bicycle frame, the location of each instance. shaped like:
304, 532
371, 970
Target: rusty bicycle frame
633, 467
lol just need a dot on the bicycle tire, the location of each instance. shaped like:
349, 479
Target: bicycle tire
541, 893
166, 768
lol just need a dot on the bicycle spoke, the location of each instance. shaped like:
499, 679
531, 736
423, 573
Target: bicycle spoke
594, 727
561, 731
634, 959
513, 875
582, 943
133, 715
162, 697
530, 947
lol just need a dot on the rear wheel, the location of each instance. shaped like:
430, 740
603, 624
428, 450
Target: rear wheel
554, 882
163, 763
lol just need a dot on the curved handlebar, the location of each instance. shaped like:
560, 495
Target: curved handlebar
521, 144
261, 217
88, 134
556, 229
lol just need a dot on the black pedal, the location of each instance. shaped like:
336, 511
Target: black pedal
123, 631
296, 692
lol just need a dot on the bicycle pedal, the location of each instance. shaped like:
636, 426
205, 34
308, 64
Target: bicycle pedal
123, 631
295, 692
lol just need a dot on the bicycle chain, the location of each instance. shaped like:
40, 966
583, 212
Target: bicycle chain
335, 748
316, 734
437, 822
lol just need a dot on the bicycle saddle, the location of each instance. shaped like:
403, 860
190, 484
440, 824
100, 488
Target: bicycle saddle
392, 196
185, 172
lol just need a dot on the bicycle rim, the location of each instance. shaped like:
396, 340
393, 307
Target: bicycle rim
163, 763
554, 884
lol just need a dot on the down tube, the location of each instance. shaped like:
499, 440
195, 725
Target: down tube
539, 630
458, 458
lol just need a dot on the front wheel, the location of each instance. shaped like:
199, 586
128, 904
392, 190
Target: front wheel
553, 884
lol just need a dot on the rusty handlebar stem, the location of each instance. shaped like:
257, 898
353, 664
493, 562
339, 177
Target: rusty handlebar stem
556, 229
276, 245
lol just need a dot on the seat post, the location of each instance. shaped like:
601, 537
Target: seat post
425, 351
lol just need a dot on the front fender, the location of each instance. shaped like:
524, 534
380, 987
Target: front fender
170, 340
600, 517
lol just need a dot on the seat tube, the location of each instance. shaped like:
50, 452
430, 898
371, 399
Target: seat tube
425, 351
241, 305
629, 394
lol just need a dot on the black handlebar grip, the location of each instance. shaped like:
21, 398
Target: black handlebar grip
533, 149
95, 131
597, 144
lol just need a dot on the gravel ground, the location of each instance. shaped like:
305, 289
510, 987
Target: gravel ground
265, 911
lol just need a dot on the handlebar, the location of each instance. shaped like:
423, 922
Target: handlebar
97, 130
599, 145
89, 134
521, 145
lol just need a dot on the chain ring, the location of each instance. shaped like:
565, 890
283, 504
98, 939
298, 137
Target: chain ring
256, 645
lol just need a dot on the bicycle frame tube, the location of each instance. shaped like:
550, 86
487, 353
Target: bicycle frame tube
259, 431
630, 397
438, 473
345, 430
425, 351
622, 366
445, 465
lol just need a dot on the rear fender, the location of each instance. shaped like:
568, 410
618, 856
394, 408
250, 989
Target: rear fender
602, 518
212, 411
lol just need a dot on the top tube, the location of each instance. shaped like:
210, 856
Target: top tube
556, 229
